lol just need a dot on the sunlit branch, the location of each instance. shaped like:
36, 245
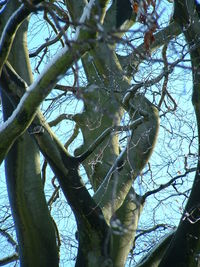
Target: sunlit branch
127, 166
73, 136
41, 87
60, 118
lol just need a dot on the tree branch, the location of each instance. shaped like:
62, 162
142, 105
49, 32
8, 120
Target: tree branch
116, 185
102, 137
9, 238
163, 186
58, 158
60, 118
41, 87
10, 30
88, 215
9, 259
131, 92
132, 61
15, 255
185, 244
154, 257
49, 43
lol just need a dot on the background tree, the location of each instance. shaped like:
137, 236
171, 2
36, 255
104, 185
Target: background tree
122, 62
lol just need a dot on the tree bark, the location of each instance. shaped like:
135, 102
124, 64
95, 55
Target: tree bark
35, 230
185, 245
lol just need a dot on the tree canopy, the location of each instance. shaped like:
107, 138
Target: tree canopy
99, 134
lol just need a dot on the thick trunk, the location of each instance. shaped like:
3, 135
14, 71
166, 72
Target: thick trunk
103, 109
34, 227
107, 222
35, 230
123, 234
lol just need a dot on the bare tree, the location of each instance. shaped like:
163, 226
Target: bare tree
132, 66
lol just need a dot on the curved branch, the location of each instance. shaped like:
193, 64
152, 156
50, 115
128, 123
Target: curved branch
27, 107
60, 118
102, 137
50, 42
10, 30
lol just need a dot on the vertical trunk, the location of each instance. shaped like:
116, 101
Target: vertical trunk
34, 226
124, 236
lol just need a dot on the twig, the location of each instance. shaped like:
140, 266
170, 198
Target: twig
50, 42
134, 89
163, 186
154, 228
8, 237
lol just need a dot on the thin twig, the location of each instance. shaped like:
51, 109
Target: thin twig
50, 42
163, 186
